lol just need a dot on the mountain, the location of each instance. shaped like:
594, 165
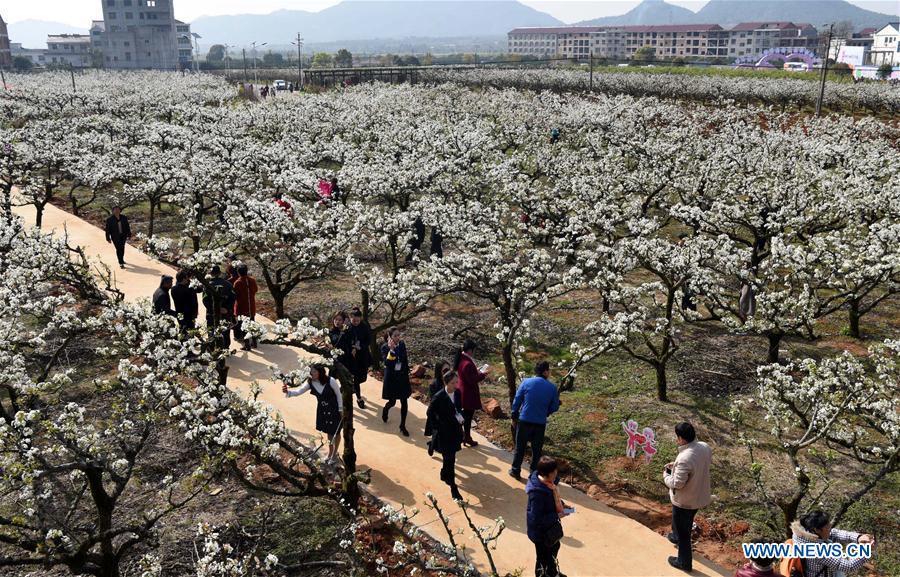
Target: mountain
647, 12
33, 33
817, 12
355, 20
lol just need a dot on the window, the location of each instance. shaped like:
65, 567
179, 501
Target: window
110, 3
112, 15
129, 16
128, 56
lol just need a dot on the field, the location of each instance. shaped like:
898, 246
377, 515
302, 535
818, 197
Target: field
662, 190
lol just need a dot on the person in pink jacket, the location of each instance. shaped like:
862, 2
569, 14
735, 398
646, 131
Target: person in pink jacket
470, 378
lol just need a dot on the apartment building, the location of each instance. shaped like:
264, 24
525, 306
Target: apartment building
73, 50
540, 42
755, 38
5, 48
142, 34
667, 41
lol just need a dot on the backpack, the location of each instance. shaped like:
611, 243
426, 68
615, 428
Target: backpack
795, 566
792, 566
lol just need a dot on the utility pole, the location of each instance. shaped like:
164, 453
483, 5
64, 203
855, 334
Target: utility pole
3, 78
72, 72
824, 71
592, 71
299, 44
244, 52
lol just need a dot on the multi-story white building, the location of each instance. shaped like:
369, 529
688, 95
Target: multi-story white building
667, 41
541, 42
142, 34
755, 38
886, 45
73, 50
37, 56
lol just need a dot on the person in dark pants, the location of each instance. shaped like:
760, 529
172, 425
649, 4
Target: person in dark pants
689, 490
545, 509
184, 299
395, 385
220, 291
415, 243
162, 303
340, 338
437, 243
245, 289
536, 399
361, 336
444, 425
436, 386
470, 378
118, 231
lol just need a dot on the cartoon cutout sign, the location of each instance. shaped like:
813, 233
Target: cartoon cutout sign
646, 440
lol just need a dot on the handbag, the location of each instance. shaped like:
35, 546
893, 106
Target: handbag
553, 535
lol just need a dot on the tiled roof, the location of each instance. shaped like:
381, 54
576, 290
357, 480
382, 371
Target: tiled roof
745, 26
557, 30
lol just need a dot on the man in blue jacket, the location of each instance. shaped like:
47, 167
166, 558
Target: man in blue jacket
536, 399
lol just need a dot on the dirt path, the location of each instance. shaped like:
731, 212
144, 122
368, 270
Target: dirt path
599, 541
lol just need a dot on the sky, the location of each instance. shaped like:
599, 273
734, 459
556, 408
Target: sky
80, 12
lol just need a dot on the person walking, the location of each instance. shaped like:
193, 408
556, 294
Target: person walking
816, 527
689, 490
536, 399
437, 243
545, 509
436, 386
118, 231
329, 405
418, 238
444, 424
361, 337
162, 303
184, 298
759, 566
219, 292
395, 385
245, 289
470, 378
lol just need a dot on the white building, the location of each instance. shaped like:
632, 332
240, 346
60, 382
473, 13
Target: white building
37, 56
69, 50
142, 34
886, 46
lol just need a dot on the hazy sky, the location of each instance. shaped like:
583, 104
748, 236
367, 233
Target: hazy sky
81, 12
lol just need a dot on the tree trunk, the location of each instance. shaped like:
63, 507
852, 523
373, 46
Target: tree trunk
854, 318
774, 347
349, 486
39, 215
509, 369
152, 218
279, 304
661, 382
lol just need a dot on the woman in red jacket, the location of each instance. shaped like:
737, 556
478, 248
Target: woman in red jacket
470, 391
245, 289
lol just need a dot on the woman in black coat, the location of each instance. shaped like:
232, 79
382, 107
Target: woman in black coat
341, 339
360, 338
396, 377
444, 424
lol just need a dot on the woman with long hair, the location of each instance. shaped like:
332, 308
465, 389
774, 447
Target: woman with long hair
330, 406
340, 338
395, 385
360, 337
470, 378
444, 424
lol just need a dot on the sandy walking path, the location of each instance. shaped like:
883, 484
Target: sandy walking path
599, 541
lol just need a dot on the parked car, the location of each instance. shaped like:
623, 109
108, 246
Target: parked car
280, 85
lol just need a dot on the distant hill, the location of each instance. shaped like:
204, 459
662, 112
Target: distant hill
727, 13
354, 20
647, 12
817, 12
33, 33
